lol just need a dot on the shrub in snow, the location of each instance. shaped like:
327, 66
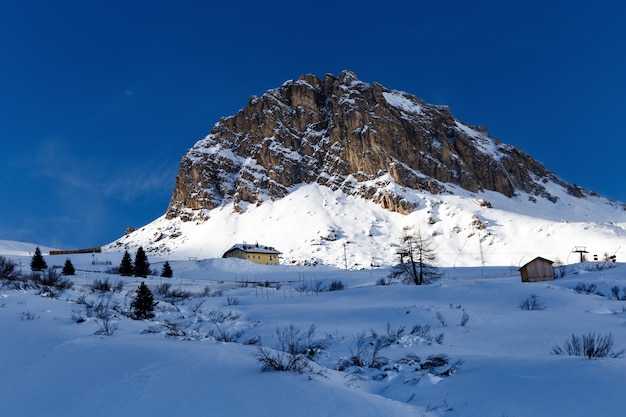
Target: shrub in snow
107, 327
293, 351
366, 353
394, 335
616, 293
439, 365
232, 301
423, 332
172, 295
591, 346
105, 286
441, 319
7, 268
219, 319
50, 283
585, 288
183, 330
532, 303
464, 319
336, 286
28, 316
559, 268
10, 276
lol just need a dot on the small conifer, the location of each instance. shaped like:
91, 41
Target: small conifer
167, 270
143, 304
38, 263
142, 266
68, 268
126, 266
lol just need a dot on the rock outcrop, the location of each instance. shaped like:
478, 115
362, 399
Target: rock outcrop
361, 138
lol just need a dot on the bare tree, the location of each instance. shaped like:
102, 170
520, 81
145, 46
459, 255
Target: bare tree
417, 259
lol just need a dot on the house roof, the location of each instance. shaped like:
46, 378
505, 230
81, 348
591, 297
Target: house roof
537, 258
256, 248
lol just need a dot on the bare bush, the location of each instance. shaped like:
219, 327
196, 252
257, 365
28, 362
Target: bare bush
559, 268
105, 286
336, 286
218, 319
394, 335
591, 346
103, 312
163, 289
232, 301
532, 303
104, 317
8, 271
441, 319
293, 352
183, 330
423, 332
366, 353
464, 319
440, 365
586, 288
616, 293
171, 295
28, 316
50, 283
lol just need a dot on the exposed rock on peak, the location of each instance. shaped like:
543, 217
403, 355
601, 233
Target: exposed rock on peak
361, 138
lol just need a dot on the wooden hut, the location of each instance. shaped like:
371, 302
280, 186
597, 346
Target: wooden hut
539, 269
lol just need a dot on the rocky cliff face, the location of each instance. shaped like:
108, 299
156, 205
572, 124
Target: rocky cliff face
346, 134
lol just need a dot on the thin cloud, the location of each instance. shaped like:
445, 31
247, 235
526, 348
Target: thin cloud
150, 178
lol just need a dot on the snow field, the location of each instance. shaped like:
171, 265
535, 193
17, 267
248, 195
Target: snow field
508, 368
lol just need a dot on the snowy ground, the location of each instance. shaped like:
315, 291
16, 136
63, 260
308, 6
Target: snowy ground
53, 366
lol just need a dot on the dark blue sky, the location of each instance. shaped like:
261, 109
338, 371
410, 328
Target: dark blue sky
99, 100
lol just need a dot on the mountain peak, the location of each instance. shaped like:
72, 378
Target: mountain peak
332, 170
350, 135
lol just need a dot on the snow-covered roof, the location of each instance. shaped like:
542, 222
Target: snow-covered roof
256, 248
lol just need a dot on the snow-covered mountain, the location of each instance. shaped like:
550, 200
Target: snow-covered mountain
330, 171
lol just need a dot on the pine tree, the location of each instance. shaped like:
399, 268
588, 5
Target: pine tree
143, 304
167, 270
38, 263
142, 266
68, 268
126, 266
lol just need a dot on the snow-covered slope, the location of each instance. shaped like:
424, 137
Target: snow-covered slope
13, 248
52, 363
314, 224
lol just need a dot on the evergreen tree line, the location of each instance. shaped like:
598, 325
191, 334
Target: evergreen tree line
140, 267
39, 264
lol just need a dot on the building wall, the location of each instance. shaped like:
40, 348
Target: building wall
259, 258
537, 270
262, 258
